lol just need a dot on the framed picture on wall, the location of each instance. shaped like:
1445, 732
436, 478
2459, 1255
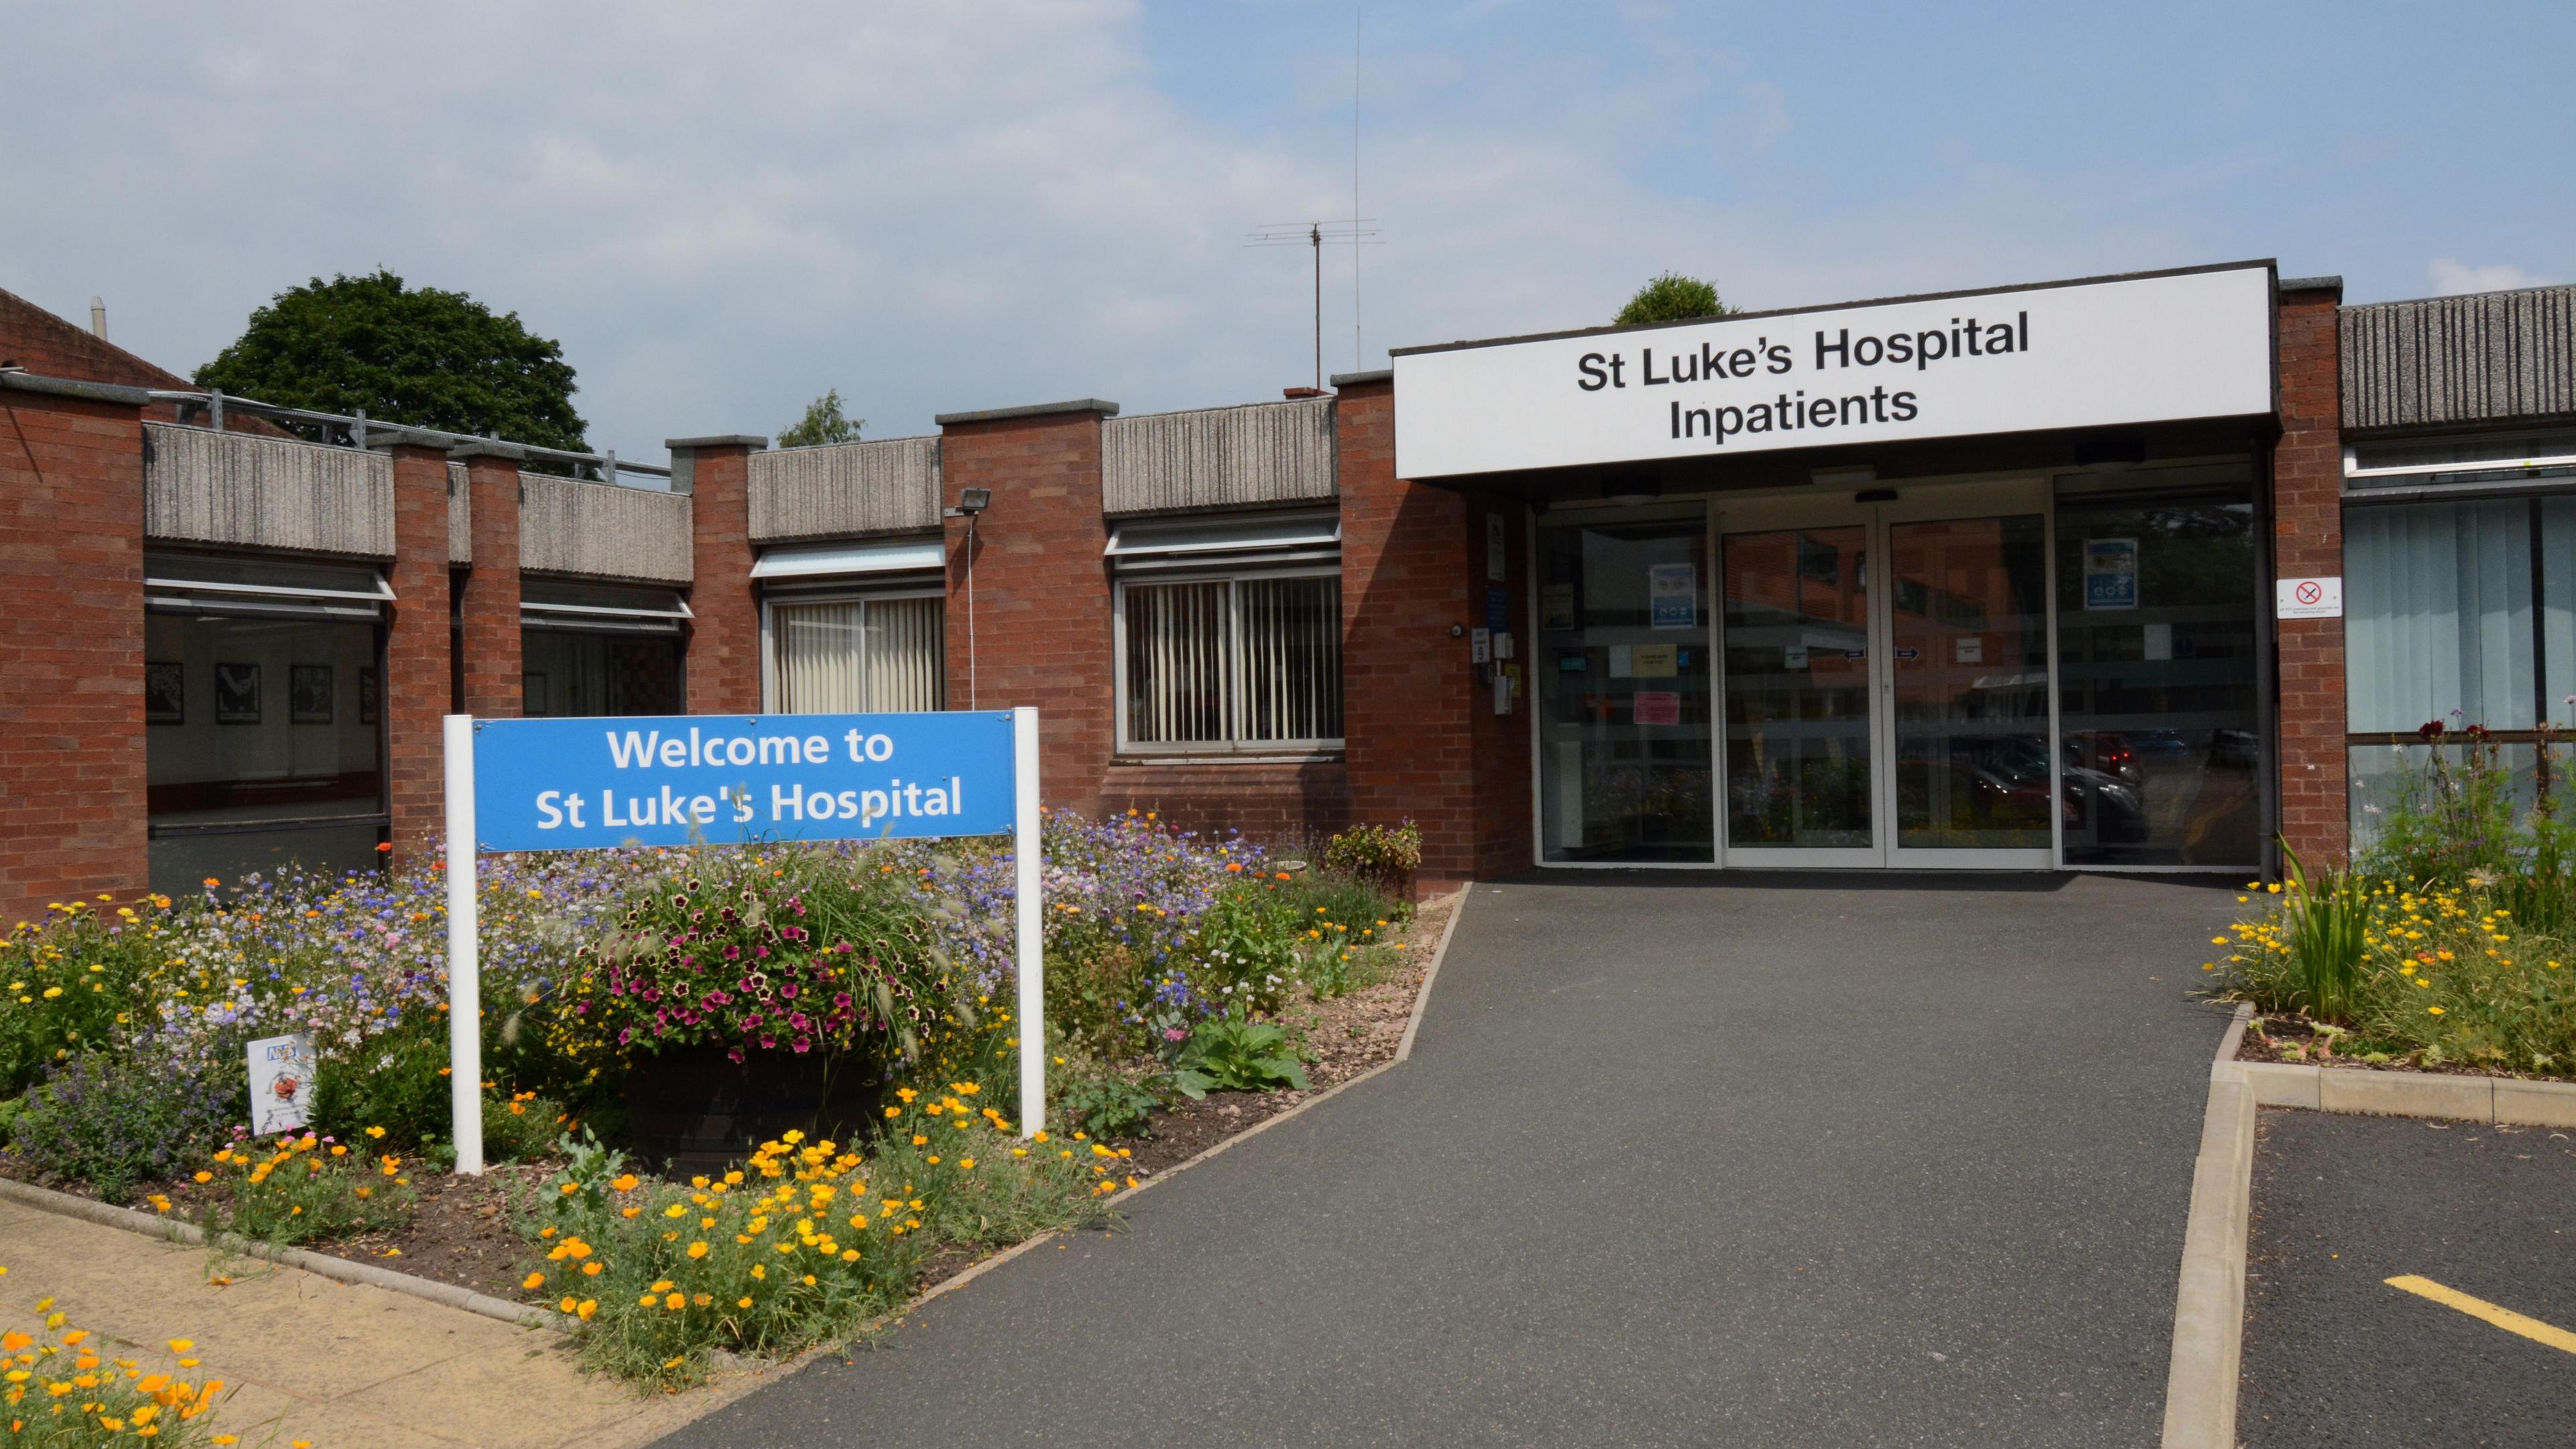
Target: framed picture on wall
308, 693
236, 694
368, 684
165, 693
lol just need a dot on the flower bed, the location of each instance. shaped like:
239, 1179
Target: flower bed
58, 1388
2451, 944
1176, 967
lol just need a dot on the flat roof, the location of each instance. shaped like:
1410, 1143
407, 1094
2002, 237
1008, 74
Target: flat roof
2266, 263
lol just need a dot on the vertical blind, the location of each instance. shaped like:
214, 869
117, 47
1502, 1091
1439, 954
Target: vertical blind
860, 655
1234, 661
2439, 615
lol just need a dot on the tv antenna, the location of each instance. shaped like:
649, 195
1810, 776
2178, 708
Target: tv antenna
1358, 231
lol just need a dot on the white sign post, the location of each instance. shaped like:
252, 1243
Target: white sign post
573, 784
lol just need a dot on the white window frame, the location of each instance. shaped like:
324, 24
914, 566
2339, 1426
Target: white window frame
1234, 747
769, 636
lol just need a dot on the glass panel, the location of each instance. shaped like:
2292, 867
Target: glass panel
1176, 663
1968, 637
1622, 690
1797, 688
568, 673
2558, 607
907, 659
258, 720
1292, 658
2437, 603
820, 659
2380, 775
2162, 752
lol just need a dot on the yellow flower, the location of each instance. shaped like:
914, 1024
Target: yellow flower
697, 1250
533, 1280
2437, 1011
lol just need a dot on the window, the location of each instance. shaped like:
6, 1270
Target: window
599, 649
879, 653
1232, 664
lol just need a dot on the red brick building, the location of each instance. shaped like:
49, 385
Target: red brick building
2130, 573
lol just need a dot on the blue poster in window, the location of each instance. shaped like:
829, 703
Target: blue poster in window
1672, 595
2110, 573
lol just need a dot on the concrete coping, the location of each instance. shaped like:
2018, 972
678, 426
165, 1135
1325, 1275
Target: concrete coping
1101, 406
753, 441
104, 392
488, 448
2313, 284
1355, 379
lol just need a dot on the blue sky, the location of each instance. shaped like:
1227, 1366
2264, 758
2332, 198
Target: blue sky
721, 211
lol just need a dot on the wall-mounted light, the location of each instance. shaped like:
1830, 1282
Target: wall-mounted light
971, 501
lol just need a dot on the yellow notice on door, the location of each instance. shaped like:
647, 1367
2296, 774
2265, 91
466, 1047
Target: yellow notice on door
1653, 661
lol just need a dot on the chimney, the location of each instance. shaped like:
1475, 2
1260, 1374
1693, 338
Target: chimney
98, 318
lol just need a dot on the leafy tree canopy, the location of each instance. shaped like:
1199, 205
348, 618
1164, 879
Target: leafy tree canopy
824, 422
421, 356
1672, 297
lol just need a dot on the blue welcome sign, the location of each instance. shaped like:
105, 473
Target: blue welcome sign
571, 784
688, 780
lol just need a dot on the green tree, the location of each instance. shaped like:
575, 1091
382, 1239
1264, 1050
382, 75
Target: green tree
421, 356
824, 422
1672, 297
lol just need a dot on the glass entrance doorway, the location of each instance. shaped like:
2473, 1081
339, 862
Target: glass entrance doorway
1886, 680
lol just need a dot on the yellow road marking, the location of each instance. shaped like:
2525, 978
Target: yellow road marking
2504, 1318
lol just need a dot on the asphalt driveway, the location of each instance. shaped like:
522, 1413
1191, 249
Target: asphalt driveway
1677, 1160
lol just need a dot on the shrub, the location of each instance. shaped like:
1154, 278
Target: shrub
1102, 1101
1385, 856
305, 1189
76, 982
114, 1123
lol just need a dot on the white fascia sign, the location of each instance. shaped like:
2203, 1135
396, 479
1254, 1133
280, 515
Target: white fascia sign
2155, 348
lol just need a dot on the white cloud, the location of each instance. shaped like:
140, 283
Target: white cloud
723, 211
2453, 278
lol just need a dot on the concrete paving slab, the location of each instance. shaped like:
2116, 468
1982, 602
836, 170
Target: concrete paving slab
1677, 1160
2334, 1355
342, 1365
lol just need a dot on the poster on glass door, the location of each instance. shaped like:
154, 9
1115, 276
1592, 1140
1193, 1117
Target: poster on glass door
1672, 595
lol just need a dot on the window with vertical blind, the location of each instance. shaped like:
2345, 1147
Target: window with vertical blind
1245, 664
875, 654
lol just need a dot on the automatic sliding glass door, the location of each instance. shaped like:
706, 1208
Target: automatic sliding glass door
1886, 680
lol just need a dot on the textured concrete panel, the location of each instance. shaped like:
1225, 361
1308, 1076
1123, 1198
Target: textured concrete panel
602, 530
201, 486
845, 489
2497, 357
460, 516
1238, 457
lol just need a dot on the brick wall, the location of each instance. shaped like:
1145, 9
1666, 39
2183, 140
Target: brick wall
1289, 806
493, 687
1041, 612
1409, 694
2307, 541
72, 779
416, 689
723, 665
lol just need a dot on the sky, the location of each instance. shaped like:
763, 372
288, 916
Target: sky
721, 211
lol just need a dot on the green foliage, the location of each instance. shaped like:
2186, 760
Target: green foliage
307, 1189
115, 1123
824, 422
1385, 856
431, 358
2325, 923
1235, 1054
1102, 1101
397, 1082
73, 983
2454, 816
1671, 297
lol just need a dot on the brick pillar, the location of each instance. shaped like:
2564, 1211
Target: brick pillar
2307, 542
493, 687
416, 690
723, 666
74, 800
1041, 615
1408, 692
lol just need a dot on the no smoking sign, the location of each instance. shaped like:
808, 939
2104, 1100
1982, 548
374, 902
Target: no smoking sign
2310, 599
